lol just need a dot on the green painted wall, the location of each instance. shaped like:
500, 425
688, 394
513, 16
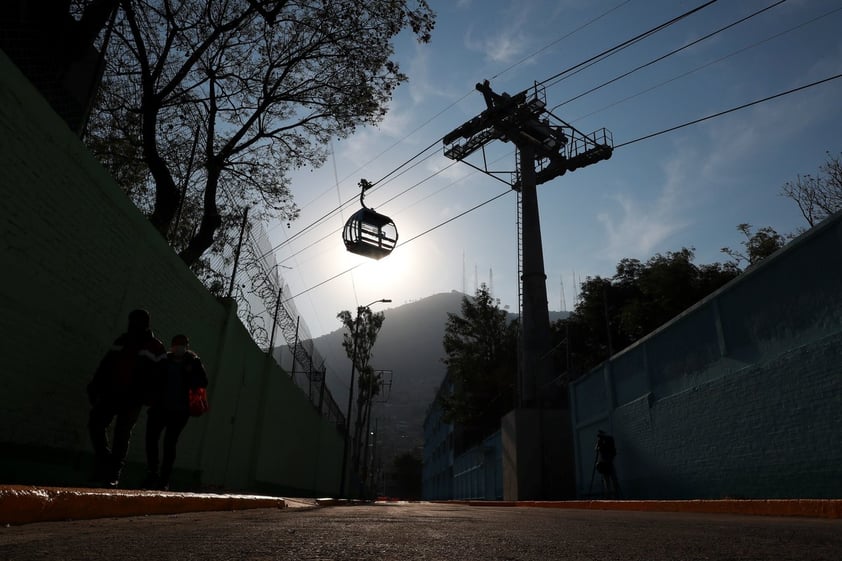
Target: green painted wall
76, 258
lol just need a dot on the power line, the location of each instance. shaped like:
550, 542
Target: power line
646, 137
454, 103
337, 230
733, 109
556, 77
711, 63
349, 201
613, 49
662, 57
562, 38
436, 227
625, 44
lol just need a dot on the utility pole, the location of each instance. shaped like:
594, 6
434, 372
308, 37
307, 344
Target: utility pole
237, 253
546, 149
275, 322
295, 348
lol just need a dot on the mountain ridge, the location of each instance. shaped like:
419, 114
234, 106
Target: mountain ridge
410, 345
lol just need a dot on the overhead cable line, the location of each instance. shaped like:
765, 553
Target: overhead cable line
556, 77
437, 226
451, 105
733, 109
350, 201
625, 44
711, 63
686, 73
454, 103
556, 41
569, 70
417, 184
627, 143
660, 58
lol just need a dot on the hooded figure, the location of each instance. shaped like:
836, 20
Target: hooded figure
169, 410
118, 391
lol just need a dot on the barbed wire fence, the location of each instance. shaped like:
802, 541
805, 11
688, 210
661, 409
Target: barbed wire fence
248, 272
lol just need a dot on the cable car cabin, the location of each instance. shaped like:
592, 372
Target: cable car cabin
370, 234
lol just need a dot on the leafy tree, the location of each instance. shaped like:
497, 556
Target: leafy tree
817, 196
480, 345
757, 245
358, 343
221, 99
613, 313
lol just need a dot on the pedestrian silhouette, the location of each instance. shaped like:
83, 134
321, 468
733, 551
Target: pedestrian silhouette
605, 453
116, 394
170, 409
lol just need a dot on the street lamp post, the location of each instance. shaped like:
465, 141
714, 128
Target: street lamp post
351, 396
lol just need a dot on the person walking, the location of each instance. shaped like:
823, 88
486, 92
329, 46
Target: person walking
116, 394
170, 411
605, 454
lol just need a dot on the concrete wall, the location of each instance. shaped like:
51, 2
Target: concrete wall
76, 258
740, 396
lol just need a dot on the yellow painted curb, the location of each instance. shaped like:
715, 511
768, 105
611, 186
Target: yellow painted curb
20, 504
815, 508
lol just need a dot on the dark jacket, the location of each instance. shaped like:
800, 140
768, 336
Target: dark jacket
128, 369
179, 376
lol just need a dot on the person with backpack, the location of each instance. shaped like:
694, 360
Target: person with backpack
183, 376
116, 394
605, 453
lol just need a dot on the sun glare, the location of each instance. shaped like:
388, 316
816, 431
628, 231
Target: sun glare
393, 270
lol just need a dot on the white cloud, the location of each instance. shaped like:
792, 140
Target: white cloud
423, 85
638, 227
504, 46
766, 128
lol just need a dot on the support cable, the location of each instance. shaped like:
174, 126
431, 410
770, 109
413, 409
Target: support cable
598, 57
556, 78
669, 54
627, 143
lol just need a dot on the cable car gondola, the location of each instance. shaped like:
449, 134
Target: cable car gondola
369, 233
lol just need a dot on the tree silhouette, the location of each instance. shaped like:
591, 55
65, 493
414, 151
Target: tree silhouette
758, 245
358, 342
480, 347
817, 196
612, 313
221, 99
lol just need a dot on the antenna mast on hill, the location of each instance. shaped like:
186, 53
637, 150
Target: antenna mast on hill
563, 304
464, 289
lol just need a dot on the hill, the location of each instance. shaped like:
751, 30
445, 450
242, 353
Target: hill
410, 345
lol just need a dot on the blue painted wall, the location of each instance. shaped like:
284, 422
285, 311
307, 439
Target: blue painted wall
739, 396
478, 472
437, 466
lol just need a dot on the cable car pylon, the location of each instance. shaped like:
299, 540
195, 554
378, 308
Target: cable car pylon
546, 149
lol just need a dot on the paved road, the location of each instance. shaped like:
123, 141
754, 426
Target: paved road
427, 532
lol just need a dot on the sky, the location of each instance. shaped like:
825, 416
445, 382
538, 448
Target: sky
687, 188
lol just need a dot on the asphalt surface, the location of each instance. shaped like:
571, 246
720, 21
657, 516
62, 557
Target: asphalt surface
426, 531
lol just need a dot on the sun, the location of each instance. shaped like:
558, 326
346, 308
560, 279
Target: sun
396, 269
